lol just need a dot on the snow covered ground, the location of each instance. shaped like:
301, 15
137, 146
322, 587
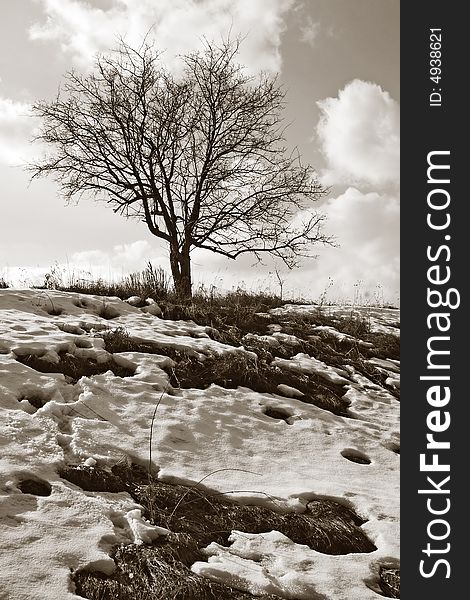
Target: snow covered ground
48, 421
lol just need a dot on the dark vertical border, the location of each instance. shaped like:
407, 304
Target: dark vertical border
425, 129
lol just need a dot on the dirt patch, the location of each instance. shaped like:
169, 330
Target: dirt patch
35, 487
74, 367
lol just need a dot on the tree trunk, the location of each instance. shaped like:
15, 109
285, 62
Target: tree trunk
181, 271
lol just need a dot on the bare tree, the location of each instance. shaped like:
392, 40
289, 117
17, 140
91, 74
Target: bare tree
199, 155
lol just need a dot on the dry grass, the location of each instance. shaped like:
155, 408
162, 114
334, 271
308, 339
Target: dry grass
335, 352
240, 369
236, 326
389, 581
92, 479
159, 572
197, 517
233, 370
119, 340
154, 282
150, 283
74, 367
237, 369
233, 315
207, 516
386, 345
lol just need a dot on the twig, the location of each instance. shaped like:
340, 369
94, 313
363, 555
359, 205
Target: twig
151, 434
271, 498
199, 482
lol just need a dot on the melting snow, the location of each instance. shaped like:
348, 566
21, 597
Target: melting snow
303, 363
48, 422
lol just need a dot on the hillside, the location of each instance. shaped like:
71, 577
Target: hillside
145, 457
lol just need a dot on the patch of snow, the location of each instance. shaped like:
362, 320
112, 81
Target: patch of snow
143, 532
381, 320
387, 365
342, 336
271, 563
303, 363
152, 309
290, 392
196, 432
134, 300
393, 381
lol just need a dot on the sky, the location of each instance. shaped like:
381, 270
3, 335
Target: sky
338, 60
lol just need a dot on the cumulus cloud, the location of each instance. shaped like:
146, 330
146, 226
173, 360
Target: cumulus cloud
16, 128
359, 135
177, 25
366, 228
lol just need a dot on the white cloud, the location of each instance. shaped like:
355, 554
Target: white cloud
359, 135
309, 31
123, 258
16, 128
177, 25
110, 264
364, 266
366, 262
366, 228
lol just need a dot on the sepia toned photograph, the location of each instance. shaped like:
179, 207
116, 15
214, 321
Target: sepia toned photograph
200, 300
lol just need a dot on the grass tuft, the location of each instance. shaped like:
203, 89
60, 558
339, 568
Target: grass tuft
238, 369
159, 572
389, 581
326, 526
197, 517
92, 479
118, 340
74, 367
